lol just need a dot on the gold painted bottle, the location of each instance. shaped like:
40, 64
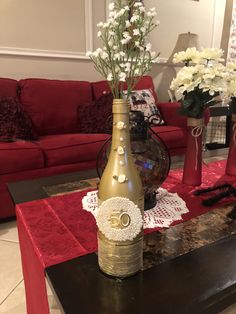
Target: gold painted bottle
121, 179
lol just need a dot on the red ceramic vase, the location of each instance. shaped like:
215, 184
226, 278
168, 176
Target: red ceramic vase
192, 173
231, 161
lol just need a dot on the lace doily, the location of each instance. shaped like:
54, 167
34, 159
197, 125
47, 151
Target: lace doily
169, 208
90, 202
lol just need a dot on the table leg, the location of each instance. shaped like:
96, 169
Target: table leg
33, 272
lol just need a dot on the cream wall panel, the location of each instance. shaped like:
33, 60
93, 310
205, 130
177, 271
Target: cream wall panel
44, 24
51, 68
99, 15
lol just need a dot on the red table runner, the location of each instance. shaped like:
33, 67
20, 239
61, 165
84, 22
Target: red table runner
57, 229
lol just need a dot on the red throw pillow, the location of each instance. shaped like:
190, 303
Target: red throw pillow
96, 116
15, 123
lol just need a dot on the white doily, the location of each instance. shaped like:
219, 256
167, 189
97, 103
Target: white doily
90, 202
119, 219
169, 208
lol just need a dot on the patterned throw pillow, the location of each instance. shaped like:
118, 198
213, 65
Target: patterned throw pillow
96, 116
143, 100
15, 123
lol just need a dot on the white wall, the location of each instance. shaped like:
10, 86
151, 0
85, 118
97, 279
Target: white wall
203, 17
49, 38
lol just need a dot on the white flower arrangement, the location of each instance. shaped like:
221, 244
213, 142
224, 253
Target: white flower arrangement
190, 55
126, 55
199, 81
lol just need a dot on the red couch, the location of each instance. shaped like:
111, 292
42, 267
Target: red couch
52, 105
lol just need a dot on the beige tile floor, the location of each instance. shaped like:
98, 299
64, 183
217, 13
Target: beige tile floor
12, 294
12, 297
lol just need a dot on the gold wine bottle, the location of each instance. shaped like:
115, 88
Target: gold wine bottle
121, 203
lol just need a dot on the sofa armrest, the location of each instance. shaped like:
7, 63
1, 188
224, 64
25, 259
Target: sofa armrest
171, 115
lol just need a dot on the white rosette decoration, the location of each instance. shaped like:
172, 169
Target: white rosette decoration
119, 219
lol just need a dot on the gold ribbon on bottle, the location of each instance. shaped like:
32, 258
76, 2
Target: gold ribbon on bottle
234, 127
197, 130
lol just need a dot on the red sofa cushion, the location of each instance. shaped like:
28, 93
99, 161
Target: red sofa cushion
52, 104
145, 82
8, 87
100, 88
20, 156
172, 136
71, 148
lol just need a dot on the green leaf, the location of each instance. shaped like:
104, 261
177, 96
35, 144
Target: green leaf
194, 103
233, 105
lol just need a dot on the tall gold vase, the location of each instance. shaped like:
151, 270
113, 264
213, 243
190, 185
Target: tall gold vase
121, 203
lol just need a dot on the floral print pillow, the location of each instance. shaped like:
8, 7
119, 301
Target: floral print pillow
143, 100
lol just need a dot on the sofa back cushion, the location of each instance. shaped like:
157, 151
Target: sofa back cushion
102, 87
8, 87
52, 104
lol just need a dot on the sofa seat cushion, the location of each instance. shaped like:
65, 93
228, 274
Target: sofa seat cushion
172, 136
20, 156
71, 148
52, 104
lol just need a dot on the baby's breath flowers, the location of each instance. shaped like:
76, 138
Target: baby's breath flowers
200, 81
126, 55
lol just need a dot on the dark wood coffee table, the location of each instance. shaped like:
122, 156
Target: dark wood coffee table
189, 268
203, 281
30, 190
